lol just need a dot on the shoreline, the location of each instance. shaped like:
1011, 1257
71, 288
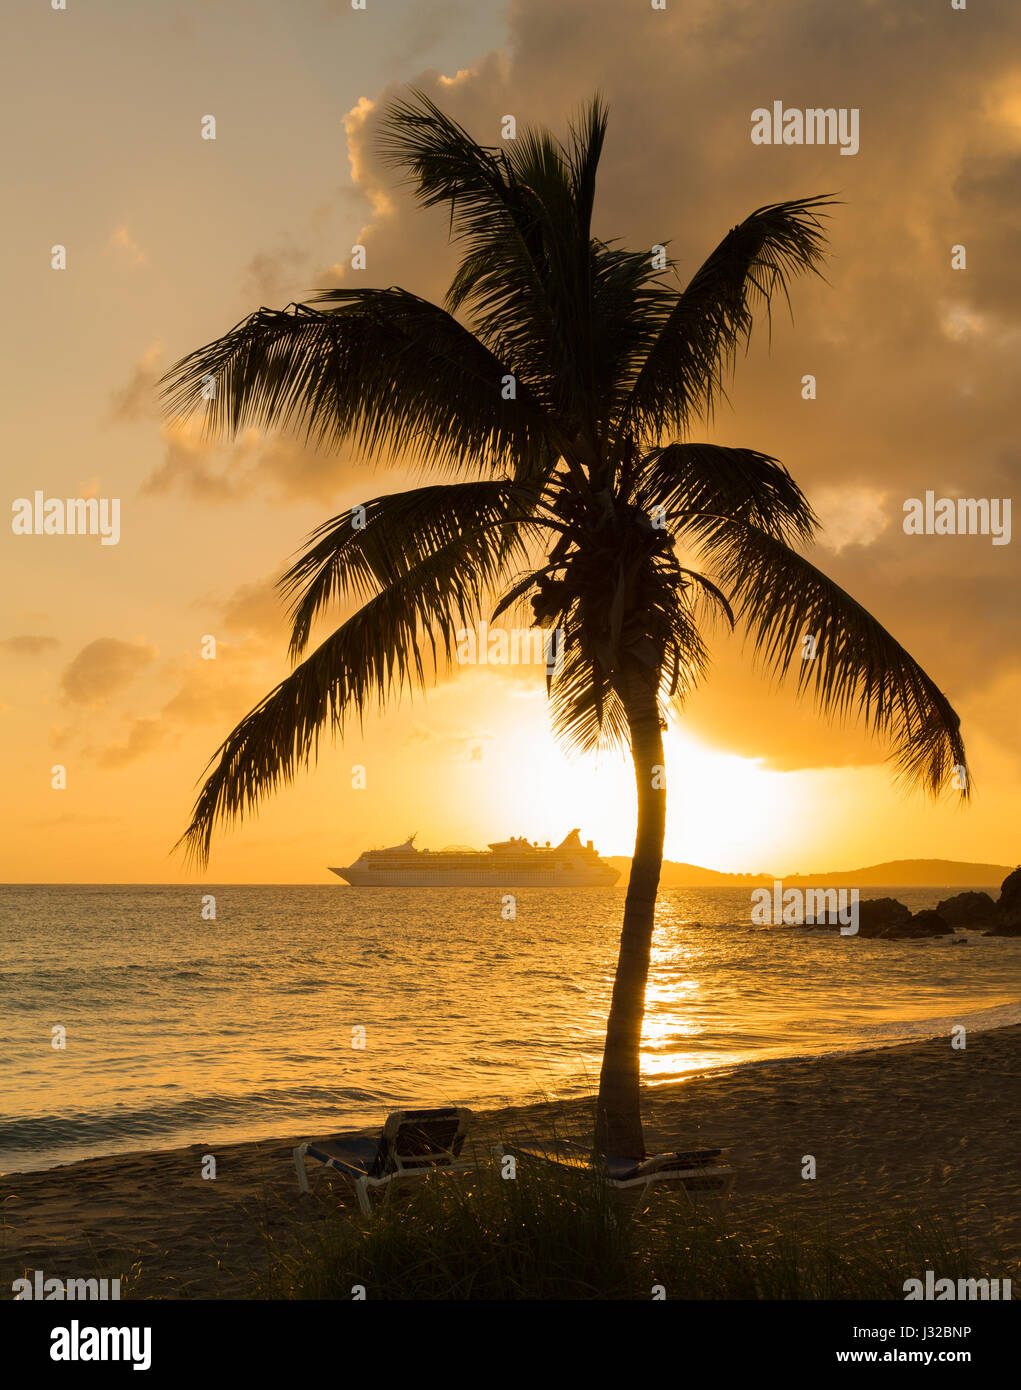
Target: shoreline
895, 1131
714, 1072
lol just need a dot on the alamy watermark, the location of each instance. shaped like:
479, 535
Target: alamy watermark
816, 125
941, 1290
958, 516
71, 516
78, 1343
39, 1288
794, 907
501, 646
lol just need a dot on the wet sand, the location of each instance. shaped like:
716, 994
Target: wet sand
910, 1130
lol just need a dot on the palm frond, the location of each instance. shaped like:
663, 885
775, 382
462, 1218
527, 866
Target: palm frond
365, 549
703, 487
586, 709
493, 215
523, 219
859, 669
588, 696
588, 135
382, 369
685, 371
379, 651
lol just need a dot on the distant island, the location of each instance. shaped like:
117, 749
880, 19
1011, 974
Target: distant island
895, 873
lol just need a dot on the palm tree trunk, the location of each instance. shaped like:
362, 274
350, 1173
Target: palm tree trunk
618, 1111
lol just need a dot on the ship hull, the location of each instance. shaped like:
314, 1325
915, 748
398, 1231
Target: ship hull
482, 878
512, 863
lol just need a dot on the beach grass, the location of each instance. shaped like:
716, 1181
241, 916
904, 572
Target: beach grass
546, 1236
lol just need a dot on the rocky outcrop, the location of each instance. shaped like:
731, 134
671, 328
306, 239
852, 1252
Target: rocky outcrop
1009, 900
1006, 929
927, 923
1008, 907
972, 910
877, 916
885, 919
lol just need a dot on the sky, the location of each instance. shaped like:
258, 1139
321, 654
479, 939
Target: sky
170, 239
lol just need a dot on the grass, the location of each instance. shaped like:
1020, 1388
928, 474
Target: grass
546, 1236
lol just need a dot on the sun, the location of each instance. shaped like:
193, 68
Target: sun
723, 811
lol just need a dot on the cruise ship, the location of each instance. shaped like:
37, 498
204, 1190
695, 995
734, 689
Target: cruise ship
513, 863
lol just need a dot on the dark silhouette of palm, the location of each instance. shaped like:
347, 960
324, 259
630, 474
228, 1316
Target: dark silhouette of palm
555, 395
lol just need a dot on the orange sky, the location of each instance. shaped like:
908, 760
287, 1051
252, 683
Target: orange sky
171, 239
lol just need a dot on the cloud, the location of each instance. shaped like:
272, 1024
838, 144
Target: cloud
137, 399
256, 610
294, 472
211, 695
850, 515
29, 645
286, 274
204, 697
144, 736
423, 733
464, 748
127, 247
289, 270
102, 668
190, 464
222, 471
267, 272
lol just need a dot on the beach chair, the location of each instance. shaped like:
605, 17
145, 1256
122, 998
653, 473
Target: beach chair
696, 1170
412, 1144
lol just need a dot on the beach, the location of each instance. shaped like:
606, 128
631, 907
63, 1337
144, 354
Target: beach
897, 1133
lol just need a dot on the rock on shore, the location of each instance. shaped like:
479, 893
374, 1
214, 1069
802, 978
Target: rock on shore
877, 916
1008, 907
886, 919
972, 910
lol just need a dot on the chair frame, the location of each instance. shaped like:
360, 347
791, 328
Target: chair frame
712, 1171
397, 1168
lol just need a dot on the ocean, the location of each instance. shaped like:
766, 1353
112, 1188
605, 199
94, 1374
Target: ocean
301, 1010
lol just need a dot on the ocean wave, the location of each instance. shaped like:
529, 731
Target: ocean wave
34, 1132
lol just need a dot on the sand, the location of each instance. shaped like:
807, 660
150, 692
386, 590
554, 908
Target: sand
910, 1129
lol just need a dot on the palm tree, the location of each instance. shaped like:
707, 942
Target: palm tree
560, 381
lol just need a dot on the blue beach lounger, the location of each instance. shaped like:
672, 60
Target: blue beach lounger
697, 1170
412, 1144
